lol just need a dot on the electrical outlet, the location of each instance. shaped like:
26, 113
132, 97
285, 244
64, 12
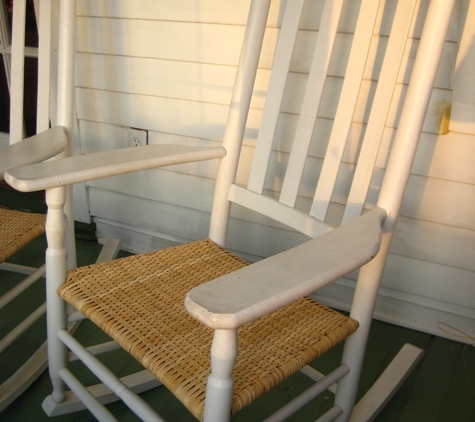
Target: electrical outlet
138, 137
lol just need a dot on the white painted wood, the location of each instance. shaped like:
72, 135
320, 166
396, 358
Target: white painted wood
423, 200
275, 94
142, 111
132, 400
22, 285
179, 41
463, 99
97, 349
17, 72
220, 383
17, 331
422, 240
21, 269
312, 392
24, 377
34, 149
274, 209
56, 257
380, 107
315, 375
109, 251
220, 11
214, 11
44, 65
139, 382
235, 299
345, 110
387, 384
237, 118
94, 406
104, 164
414, 312
65, 108
311, 102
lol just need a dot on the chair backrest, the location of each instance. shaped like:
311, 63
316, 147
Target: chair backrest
339, 123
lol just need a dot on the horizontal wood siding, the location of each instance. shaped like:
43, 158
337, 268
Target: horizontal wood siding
169, 66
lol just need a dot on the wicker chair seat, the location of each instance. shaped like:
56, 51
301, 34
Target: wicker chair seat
17, 229
139, 300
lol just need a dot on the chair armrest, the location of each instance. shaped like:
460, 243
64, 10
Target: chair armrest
247, 294
34, 149
82, 168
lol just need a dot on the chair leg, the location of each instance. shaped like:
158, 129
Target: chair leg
219, 389
355, 345
55, 275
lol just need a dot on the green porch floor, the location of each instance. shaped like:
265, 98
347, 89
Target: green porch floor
437, 390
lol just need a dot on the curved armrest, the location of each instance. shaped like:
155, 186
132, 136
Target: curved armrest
34, 149
247, 294
82, 168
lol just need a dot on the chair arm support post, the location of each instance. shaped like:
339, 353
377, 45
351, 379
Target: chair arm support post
56, 256
219, 389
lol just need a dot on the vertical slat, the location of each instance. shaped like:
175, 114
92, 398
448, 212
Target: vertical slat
275, 94
344, 114
44, 66
17, 71
311, 101
380, 108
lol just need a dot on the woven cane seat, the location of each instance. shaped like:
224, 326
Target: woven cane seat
139, 300
17, 229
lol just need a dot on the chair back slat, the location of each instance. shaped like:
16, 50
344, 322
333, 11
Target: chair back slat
270, 117
17, 72
311, 102
44, 66
328, 127
380, 108
346, 107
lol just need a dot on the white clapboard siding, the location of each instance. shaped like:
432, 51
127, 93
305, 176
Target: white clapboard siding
184, 41
262, 240
101, 70
169, 115
427, 241
234, 12
417, 312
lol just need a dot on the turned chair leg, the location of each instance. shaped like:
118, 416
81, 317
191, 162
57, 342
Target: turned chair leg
219, 390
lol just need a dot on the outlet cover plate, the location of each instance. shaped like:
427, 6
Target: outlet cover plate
138, 137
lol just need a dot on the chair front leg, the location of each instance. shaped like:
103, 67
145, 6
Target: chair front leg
219, 389
56, 256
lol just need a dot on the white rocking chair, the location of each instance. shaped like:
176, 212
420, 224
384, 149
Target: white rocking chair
18, 228
249, 326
